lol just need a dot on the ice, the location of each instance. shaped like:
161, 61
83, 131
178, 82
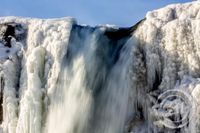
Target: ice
69, 78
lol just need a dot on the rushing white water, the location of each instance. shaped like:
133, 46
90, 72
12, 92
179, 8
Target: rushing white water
81, 103
60, 77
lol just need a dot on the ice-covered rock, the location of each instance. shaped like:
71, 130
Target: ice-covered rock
58, 76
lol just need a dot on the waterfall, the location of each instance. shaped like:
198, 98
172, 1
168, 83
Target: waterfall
92, 93
73, 79
57, 76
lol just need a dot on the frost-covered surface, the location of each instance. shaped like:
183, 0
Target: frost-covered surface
57, 76
40, 61
170, 43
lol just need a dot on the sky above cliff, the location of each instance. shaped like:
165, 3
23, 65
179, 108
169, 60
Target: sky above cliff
118, 12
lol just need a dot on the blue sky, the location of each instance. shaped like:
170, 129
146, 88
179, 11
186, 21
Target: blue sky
93, 12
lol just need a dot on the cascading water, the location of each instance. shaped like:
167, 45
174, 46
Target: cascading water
60, 77
71, 81
92, 93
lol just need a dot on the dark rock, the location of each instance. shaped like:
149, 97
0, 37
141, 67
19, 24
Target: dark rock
8, 31
1, 98
117, 34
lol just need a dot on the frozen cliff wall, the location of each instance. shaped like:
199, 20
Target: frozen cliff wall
58, 76
169, 41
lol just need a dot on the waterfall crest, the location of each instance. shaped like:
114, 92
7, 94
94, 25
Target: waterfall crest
59, 76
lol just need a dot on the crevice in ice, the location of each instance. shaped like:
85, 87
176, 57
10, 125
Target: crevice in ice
1, 98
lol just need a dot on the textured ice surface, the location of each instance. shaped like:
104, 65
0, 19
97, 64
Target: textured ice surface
59, 76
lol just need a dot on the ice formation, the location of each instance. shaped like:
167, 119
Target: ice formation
57, 76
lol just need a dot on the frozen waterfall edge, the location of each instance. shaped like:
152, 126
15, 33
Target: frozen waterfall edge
58, 76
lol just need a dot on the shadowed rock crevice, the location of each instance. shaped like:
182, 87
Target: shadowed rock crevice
9, 31
1, 98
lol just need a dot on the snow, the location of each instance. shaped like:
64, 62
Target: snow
45, 45
5, 52
169, 39
31, 114
70, 78
10, 75
41, 59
